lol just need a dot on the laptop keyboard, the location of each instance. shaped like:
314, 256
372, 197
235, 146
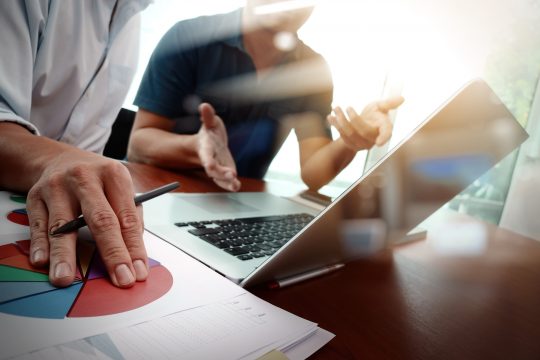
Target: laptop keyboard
249, 238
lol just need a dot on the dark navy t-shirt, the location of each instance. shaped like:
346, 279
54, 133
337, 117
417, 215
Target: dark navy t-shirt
203, 59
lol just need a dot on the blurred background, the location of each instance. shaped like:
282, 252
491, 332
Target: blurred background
426, 51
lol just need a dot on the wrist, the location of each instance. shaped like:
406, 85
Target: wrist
25, 156
48, 152
344, 148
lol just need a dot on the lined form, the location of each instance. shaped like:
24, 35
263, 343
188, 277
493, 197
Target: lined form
188, 331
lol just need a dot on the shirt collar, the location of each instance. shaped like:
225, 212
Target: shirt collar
125, 10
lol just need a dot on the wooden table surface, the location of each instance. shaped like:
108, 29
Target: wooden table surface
411, 302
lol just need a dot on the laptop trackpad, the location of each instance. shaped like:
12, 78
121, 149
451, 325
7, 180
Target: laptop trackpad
219, 204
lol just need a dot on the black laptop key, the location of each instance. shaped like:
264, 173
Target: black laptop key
236, 242
260, 219
237, 251
204, 231
265, 247
223, 245
197, 224
253, 248
275, 244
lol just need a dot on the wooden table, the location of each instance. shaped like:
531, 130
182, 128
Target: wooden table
411, 302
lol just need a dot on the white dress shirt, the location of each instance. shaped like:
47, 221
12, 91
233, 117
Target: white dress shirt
66, 65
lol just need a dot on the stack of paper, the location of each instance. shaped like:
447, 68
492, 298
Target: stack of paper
244, 327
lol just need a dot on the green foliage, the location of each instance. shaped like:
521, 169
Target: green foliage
512, 70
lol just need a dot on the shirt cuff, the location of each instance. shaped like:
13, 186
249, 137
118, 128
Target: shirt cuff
12, 118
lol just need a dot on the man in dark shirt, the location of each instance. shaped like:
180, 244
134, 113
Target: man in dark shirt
256, 80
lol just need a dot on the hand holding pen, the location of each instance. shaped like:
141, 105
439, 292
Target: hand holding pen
101, 189
139, 199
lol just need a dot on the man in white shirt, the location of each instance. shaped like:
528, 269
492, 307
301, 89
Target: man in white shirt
65, 69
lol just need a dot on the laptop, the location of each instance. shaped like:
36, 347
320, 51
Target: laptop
253, 238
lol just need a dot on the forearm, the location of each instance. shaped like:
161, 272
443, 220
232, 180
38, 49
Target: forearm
163, 148
326, 163
24, 156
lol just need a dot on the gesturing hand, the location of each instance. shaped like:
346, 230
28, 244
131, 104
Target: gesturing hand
371, 127
213, 150
101, 189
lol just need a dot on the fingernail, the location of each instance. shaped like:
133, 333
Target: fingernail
141, 270
38, 256
229, 176
123, 275
52, 230
62, 270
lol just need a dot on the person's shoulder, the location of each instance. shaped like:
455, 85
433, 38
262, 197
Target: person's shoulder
305, 52
204, 29
200, 22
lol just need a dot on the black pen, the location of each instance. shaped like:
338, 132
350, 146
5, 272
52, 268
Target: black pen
80, 222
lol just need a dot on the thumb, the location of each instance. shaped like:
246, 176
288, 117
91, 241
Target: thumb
390, 103
208, 115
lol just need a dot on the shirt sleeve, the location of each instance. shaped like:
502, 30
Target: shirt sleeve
169, 78
318, 105
20, 23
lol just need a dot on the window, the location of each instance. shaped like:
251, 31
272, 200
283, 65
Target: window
512, 68
523, 202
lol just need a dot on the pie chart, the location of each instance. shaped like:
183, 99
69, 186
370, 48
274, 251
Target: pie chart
18, 216
26, 291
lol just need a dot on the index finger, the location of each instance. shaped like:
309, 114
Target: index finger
390, 103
